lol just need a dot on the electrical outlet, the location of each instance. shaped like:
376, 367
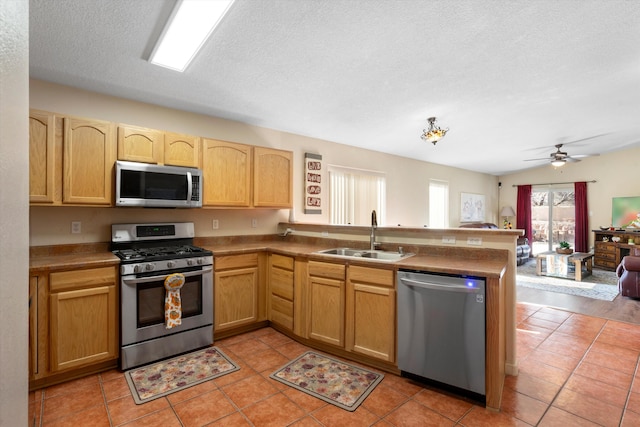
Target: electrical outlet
254, 223
325, 234
76, 227
449, 240
475, 241
215, 224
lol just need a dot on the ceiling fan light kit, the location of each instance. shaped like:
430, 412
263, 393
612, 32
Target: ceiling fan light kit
560, 158
433, 133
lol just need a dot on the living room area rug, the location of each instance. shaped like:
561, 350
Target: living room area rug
331, 380
601, 284
168, 376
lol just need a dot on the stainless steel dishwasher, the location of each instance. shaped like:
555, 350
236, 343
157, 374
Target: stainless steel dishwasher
441, 331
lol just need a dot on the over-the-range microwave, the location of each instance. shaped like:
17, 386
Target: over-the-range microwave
157, 186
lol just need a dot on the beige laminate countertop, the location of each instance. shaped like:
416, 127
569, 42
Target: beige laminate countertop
493, 267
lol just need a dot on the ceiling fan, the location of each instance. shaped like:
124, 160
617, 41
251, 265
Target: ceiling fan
559, 158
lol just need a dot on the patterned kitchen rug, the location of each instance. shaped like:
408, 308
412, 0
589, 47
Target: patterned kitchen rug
331, 380
168, 376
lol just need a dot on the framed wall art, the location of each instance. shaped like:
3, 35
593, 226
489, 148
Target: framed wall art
312, 183
472, 207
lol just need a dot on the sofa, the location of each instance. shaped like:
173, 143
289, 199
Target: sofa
523, 250
628, 272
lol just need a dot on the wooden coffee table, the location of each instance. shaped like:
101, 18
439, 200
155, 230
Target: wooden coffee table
558, 265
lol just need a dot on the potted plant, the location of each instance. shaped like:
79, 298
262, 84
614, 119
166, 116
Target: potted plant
564, 248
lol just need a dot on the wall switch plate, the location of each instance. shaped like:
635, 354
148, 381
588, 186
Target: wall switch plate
450, 240
76, 227
475, 241
215, 224
254, 223
325, 234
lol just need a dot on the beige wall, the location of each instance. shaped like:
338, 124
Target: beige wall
611, 171
407, 179
14, 187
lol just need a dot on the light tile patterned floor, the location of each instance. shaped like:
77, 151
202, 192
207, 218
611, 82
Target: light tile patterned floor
575, 370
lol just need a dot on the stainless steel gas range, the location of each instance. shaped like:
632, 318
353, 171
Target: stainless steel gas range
148, 254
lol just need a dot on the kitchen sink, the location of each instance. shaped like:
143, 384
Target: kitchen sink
366, 254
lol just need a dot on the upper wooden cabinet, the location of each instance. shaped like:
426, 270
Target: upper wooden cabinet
181, 150
137, 144
89, 156
272, 179
45, 157
70, 160
226, 170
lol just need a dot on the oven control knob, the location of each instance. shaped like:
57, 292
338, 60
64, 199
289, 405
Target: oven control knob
199, 260
137, 268
171, 264
149, 267
189, 261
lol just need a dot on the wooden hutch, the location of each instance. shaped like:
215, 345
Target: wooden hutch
608, 253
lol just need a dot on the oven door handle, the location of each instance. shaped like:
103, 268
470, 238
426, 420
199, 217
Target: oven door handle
136, 280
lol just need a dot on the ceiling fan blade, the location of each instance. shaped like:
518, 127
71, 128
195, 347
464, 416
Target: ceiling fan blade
536, 160
582, 156
572, 159
586, 139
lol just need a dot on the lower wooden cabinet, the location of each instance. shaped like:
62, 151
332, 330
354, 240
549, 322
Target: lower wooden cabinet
281, 292
236, 291
83, 317
371, 312
326, 302
73, 323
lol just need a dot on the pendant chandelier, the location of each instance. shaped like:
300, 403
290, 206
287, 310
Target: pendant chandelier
433, 133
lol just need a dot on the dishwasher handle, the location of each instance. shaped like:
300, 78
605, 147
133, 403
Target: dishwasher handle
437, 286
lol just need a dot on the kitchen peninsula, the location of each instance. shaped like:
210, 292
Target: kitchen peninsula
285, 268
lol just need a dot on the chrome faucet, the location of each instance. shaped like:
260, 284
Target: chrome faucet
374, 224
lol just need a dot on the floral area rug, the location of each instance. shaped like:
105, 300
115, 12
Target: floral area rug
168, 376
331, 380
601, 284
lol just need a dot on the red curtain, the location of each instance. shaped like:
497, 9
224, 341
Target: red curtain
582, 218
523, 212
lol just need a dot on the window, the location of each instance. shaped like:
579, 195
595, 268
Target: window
438, 204
354, 193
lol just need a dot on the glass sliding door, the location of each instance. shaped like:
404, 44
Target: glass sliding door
552, 218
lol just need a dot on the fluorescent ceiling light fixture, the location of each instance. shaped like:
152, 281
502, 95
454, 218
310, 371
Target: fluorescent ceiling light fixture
189, 26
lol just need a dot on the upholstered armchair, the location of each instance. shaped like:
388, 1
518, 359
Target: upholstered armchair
628, 272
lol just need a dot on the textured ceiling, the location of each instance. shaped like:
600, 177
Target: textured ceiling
510, 78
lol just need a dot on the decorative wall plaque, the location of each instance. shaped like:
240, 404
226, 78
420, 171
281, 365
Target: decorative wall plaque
312, 183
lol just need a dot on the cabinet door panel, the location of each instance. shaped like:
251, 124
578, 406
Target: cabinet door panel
181, 150
235, 298
89, 149
138, 144
272, 181
83, 327
226, 169
41, 157
326, 310
374, 321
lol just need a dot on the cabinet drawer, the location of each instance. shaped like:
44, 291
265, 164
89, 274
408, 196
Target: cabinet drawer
78, 279
605, 247
604, 263
371, 275
326, 269
606, 255
236, 261
282, 311
282, 283
281, 261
